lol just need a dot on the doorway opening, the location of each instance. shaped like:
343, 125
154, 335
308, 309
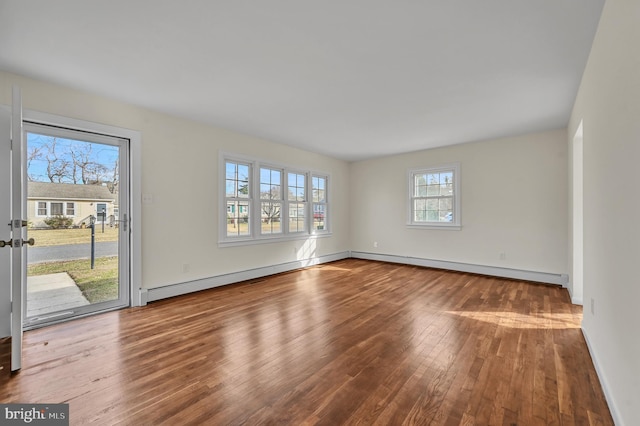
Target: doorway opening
77, 211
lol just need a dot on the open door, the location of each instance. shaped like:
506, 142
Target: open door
18, 220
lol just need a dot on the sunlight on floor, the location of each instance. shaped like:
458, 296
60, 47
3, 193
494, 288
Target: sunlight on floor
515, 320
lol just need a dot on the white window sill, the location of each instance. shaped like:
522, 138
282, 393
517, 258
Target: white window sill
447, 227
269, 240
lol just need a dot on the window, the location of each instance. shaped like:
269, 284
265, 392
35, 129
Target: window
270, 201
42, 208
434, 197
262, 202
237, 198
56, 209
296, 184
319, 200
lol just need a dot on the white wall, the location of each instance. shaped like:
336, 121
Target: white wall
514, 201
608, 102
180, 170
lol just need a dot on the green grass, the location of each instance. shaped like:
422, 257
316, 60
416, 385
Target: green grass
97, 285
56, 237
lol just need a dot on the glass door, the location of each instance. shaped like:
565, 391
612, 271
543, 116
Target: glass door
77, 212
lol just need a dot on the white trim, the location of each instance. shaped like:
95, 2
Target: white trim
178, 289
159, 293
606, 388
135, 181
518, 274
277, 238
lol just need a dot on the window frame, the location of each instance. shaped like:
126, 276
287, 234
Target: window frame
256, 236
456, 223
47, 208
324, 203
38, 208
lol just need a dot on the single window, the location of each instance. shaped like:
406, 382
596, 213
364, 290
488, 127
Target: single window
42, 208
71, 209
296, 185
270, 200
56, 209
319, 201
238, 198
434, 196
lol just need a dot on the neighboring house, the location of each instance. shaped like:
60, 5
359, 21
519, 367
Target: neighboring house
77, 202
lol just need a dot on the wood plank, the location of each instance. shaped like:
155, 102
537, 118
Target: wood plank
350, 342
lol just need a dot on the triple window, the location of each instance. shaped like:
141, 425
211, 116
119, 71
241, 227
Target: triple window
53, 208
264, 202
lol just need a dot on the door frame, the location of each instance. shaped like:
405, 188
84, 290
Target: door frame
135, 192
124, 244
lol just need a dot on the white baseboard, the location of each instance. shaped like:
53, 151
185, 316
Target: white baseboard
603, 381
543, 277
159, 293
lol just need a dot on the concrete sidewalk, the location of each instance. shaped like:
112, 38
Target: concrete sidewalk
52, 293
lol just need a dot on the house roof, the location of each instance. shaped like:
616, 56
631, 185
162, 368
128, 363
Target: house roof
68, 191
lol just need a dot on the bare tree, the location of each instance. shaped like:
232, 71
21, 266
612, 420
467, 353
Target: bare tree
57, 165
271, 210
34, 154
66, 161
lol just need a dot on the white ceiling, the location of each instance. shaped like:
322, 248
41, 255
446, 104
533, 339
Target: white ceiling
352, 79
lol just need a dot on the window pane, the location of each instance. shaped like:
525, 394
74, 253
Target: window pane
237, 218
319, 193
296, 217
319, 216
71, 209
420, 184
270, 184
445, 204
446, 178
446, 189
296, 187
237, 180
270, 216
433, 190
56, 209
42, 208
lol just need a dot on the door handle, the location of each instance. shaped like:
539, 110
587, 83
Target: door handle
19, 223
9, 243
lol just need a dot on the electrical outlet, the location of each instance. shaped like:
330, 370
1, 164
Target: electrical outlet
375, 244
185, 267
503, 255
593, 306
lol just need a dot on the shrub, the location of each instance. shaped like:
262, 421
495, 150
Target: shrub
57, 222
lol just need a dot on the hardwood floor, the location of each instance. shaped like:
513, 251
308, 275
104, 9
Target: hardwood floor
350, 342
